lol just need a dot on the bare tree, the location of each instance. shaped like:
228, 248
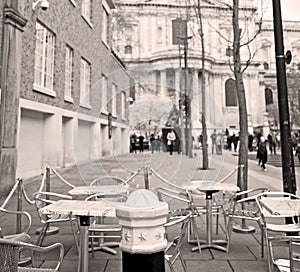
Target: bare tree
238, 70
198, 12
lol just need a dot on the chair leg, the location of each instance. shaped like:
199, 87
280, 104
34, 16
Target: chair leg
42, 235
262, 241
196, 233
74, 234
183, 263
269, 253
229, 231
217, 221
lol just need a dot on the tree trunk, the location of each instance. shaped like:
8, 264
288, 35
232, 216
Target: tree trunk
242, 181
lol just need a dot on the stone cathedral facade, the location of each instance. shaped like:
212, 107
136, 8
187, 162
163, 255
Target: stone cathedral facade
152, 38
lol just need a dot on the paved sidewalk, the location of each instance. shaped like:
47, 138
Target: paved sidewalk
245, 252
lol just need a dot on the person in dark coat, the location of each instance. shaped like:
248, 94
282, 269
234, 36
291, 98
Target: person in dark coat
133, 143
141, 143
262, 153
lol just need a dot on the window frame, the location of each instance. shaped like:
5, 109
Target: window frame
44, 46
85, 83
69, 64
86, 11
230, 92
105, 26
114, 95
123, 105
104, 92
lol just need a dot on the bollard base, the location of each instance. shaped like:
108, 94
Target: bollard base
243, 229
154, 262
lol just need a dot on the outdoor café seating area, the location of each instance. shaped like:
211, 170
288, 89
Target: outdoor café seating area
60, 225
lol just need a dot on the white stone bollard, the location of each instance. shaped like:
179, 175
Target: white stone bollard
143, 233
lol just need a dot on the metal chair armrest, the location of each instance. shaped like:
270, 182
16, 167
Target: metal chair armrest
35, 248
22, 213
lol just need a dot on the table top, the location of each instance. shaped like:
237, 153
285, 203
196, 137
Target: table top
281, 206
82, 208
211, 185
105, 189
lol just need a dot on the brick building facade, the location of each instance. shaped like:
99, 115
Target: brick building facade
71, 105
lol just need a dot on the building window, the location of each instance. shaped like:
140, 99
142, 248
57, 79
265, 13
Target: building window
230, 93
87, 9
179, 29
266, 66
114, 94
85, 83
128, 49
159, 35
104, 90
269, 96
105, 26
123, 105
69, 73
44, 60
158, 81
171, 81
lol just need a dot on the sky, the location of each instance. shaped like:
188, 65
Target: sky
290, 9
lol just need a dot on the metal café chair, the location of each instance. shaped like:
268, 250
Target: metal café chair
275, 222
9, 256
172, 252
292, 261
42, 199
242, 206
166, 194
100, 230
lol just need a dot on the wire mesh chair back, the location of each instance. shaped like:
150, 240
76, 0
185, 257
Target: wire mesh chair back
9, 256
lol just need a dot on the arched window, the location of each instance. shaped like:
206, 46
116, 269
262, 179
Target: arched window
230, 93
159, 35
266, 66
269, 96
128, 49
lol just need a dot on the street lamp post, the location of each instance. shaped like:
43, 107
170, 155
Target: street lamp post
288, 168
187, 98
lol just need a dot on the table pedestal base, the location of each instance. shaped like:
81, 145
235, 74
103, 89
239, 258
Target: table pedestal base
215, 244
106, 247
243, 229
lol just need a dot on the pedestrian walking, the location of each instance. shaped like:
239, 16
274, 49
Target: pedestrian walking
297, 153
270, 143
235, 141
213, 137
141, 143
262, 153
250, 142
171, 137
152, 143
219, 141
133, 139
